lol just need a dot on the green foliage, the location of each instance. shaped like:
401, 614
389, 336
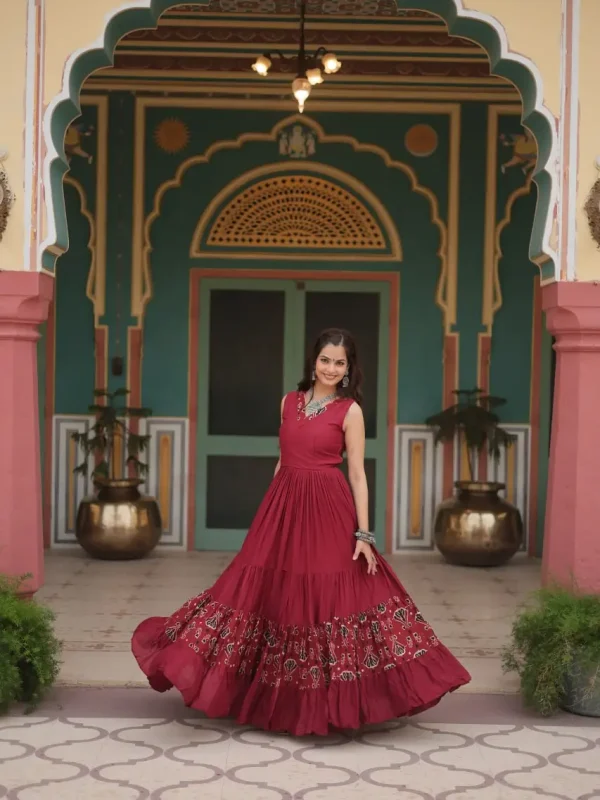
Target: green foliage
472, 419
29, 650
556, 636
111, 423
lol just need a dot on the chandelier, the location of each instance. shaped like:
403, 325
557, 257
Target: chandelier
308, 71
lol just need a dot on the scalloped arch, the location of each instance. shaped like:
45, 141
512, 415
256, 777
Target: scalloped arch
91, 244
332, 212
480, 27
447, 305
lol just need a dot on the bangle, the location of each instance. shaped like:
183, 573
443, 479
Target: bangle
365, 536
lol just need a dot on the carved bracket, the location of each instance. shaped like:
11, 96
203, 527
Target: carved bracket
7, 198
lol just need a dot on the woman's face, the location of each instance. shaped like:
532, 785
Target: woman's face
331, 365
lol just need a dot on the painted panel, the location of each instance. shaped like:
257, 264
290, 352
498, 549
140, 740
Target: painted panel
413, 212
68, 488
513, 469
418, 482
484, 227
418, 487
167, 478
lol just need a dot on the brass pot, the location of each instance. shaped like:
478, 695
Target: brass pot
118, 523
476, 527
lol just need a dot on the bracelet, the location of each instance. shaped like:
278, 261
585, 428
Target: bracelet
365, 536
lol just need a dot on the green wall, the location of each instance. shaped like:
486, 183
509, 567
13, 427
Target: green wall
74, 315
421, 330
420, 386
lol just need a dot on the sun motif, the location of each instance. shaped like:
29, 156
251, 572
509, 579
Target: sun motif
421, 140
171, 135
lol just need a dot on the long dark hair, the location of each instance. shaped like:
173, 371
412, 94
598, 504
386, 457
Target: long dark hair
336, 337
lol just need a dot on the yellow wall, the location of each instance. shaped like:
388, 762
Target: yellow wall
533, 28
588, 255
87, 23
73, 24
12, 114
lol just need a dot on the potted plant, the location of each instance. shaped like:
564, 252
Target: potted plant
29, 650
116, 523
476, 527
555, 650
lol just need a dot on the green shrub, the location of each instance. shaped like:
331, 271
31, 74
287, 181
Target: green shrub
551, 640
29, 650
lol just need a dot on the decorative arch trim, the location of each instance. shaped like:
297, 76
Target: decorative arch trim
337, 215
521, 191
482, 28
447, 275
90, 286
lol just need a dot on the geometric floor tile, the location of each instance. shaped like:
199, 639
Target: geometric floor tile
76, 758
103, 734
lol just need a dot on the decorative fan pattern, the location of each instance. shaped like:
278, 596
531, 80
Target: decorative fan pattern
297, 211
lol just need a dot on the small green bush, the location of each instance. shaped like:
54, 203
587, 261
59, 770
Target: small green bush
29, 650
553, 638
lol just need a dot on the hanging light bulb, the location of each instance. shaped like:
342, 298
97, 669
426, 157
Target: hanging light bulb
262, 65
331, 63
301, 89
314, 76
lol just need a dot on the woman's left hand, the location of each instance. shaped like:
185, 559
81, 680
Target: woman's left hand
362, 548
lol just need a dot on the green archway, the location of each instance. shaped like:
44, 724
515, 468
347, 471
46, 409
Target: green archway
482, 29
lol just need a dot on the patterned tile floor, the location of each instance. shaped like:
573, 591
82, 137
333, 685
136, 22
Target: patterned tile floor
103, 735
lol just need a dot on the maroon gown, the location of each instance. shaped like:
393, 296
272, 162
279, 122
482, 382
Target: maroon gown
295, 636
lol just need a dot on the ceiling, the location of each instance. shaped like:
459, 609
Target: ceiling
386, 54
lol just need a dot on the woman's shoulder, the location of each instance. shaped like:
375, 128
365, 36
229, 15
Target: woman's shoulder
352, 412
289, 399
352, 408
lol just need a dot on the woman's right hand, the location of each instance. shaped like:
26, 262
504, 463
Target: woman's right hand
364, 549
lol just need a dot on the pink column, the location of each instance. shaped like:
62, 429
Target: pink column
572, 528
24, 301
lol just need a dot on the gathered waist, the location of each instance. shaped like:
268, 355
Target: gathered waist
326, 468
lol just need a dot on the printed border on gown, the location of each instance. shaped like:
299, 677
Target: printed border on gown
382, 663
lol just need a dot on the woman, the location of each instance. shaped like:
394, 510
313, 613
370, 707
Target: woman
308, 628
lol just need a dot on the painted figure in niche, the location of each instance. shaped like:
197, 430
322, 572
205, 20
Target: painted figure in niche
524, 151
299, 143
74, 142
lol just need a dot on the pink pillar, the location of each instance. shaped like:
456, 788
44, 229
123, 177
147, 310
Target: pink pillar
572, 529
24, 301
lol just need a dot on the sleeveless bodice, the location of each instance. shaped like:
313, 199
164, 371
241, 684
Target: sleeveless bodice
312, 442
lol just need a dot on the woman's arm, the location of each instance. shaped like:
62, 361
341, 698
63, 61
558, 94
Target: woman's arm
354, 430
278, 465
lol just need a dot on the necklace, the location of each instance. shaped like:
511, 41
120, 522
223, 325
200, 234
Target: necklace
313, 406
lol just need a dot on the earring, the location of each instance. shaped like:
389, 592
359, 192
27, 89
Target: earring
313, 376
345, 381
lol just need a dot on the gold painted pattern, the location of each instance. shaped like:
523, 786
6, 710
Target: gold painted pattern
521, 191
392, 253
165, 464
117, 456
296, 211
96, 283
465, 474
510, 474
417, 455
71, 494
446, 292
492, 291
